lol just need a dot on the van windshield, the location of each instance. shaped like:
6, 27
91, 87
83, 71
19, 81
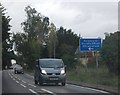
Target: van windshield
51, 63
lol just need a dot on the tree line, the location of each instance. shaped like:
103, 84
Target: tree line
41, 39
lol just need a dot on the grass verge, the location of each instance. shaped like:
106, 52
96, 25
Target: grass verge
92, 75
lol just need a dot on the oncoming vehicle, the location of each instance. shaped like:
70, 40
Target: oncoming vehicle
49, 71
18, 69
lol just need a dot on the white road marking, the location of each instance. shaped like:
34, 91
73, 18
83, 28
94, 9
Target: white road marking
32, 91
9, 75
32, 85
23, 81
23, 85
13, 79
90, 88
96, 90
18, 78
17, 81
47, 91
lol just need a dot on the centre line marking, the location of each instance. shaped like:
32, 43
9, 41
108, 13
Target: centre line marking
18, 78
17, 81
23, 81
47, 91
23, 85
32, 91
32, 85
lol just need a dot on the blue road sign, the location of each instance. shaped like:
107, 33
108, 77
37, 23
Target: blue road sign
90, 44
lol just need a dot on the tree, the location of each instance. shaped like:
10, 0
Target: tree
67, 42
67, 45
7, 52
30, 44
110, 51
52, 40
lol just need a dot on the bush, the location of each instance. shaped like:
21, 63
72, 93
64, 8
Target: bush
69, 61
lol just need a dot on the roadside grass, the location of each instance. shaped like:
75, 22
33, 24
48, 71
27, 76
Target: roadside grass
99, 76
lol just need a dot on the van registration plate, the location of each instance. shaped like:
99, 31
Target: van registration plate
53, 78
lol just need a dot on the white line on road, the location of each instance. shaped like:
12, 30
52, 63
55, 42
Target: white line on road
23, 81
9, 74
32, 91
17, 81
32, 85
18, 78
15, 77
47, 91
96, 90
23, 85
90, 88
11, 77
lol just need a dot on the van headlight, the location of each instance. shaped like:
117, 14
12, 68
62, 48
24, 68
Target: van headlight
44, 72
62, 72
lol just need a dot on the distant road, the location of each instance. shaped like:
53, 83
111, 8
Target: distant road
24, 83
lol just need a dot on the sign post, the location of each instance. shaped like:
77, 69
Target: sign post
91, 45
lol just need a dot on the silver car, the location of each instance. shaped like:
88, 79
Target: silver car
18, 69
50, 71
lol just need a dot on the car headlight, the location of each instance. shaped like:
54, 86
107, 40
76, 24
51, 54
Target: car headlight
44, 72
62, 71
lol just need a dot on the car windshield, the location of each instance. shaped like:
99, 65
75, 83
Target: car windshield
51, 63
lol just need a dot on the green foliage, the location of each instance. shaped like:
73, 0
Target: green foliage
29, 45
110, 51
93, 76
40, 39
69, 61
37, 39
66, 47
7, 53
67, 42
52, 40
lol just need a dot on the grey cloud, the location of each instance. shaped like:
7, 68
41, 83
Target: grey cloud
91, 19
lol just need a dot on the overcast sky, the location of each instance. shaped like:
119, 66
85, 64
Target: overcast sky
90, 19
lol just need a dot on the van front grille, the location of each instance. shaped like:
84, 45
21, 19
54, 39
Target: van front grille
53, 73
49, 73
57, 73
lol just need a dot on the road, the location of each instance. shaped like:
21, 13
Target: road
24, 83
0, 82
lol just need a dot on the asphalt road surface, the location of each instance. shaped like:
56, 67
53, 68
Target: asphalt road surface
24, 83
0, 82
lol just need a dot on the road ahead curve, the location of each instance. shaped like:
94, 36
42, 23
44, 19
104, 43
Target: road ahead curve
24, 83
